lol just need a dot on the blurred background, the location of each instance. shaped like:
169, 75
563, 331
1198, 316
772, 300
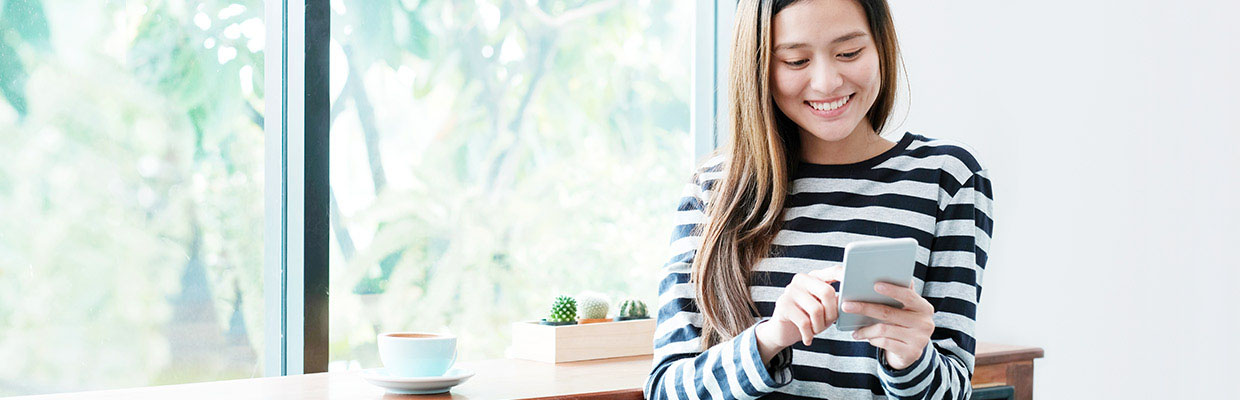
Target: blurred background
131, 193
489, 155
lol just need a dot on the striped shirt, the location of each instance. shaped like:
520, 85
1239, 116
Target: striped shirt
934, 191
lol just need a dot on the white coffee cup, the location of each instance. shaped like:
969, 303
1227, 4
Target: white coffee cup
417, 354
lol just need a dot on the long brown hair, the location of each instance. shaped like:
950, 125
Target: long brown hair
747, 208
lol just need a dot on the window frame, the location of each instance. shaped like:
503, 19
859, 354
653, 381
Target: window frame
296, 195
712, 40
296, 222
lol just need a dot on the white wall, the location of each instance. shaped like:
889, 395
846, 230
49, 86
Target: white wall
1110, 130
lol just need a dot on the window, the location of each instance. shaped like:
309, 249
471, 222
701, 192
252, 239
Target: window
164, 194
489, 155
131, 193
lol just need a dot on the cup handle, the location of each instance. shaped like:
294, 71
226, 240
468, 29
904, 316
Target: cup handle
453, 362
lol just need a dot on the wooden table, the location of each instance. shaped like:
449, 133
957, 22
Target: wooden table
998, 364
615, 378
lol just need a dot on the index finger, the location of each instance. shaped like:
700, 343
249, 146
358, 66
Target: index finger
830, 274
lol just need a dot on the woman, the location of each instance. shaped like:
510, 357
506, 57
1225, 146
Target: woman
747, 303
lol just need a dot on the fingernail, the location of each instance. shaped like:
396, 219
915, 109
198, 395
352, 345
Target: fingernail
847, 306
856, 335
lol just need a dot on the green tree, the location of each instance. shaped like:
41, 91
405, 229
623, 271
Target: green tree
494, 154
131, 248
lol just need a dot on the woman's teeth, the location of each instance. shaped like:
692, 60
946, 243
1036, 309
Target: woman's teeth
830, 106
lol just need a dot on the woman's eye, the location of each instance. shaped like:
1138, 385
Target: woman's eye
796, 63
851, 55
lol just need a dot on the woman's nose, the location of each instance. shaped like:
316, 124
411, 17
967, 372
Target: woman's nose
825, 78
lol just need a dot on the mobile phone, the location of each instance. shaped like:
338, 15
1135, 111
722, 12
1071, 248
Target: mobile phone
867, 263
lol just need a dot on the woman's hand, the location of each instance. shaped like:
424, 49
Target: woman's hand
904, 333
807, 307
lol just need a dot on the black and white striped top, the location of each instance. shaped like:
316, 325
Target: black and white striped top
931, 190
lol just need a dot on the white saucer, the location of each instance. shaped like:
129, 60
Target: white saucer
423, 385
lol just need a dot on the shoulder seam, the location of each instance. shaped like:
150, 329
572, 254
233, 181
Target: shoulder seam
965, 148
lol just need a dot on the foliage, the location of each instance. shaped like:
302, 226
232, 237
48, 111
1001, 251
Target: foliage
22, 24
487, 154
131, 193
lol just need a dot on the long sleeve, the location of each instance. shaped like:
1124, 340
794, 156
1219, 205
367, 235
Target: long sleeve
953, 286
730, 370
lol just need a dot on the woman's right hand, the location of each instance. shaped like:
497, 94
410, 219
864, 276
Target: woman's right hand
808, 306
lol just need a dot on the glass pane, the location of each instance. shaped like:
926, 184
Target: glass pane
489, 155
130, 193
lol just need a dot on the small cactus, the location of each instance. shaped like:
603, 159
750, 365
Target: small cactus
563, 311
592, 305
632, 309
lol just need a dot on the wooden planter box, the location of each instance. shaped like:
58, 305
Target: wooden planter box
557, 344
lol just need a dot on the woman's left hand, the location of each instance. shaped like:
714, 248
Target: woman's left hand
904, 333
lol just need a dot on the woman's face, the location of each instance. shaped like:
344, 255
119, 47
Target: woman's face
824, 72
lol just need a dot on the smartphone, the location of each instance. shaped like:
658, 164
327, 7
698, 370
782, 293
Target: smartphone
867, 263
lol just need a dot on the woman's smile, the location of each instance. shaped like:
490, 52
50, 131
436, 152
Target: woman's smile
829, 108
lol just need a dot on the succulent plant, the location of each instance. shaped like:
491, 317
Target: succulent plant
563, 310
632, 309
592, 305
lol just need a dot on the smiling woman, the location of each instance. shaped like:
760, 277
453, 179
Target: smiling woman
748, 301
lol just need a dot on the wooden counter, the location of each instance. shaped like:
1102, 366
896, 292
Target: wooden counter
998, 364
615, 378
